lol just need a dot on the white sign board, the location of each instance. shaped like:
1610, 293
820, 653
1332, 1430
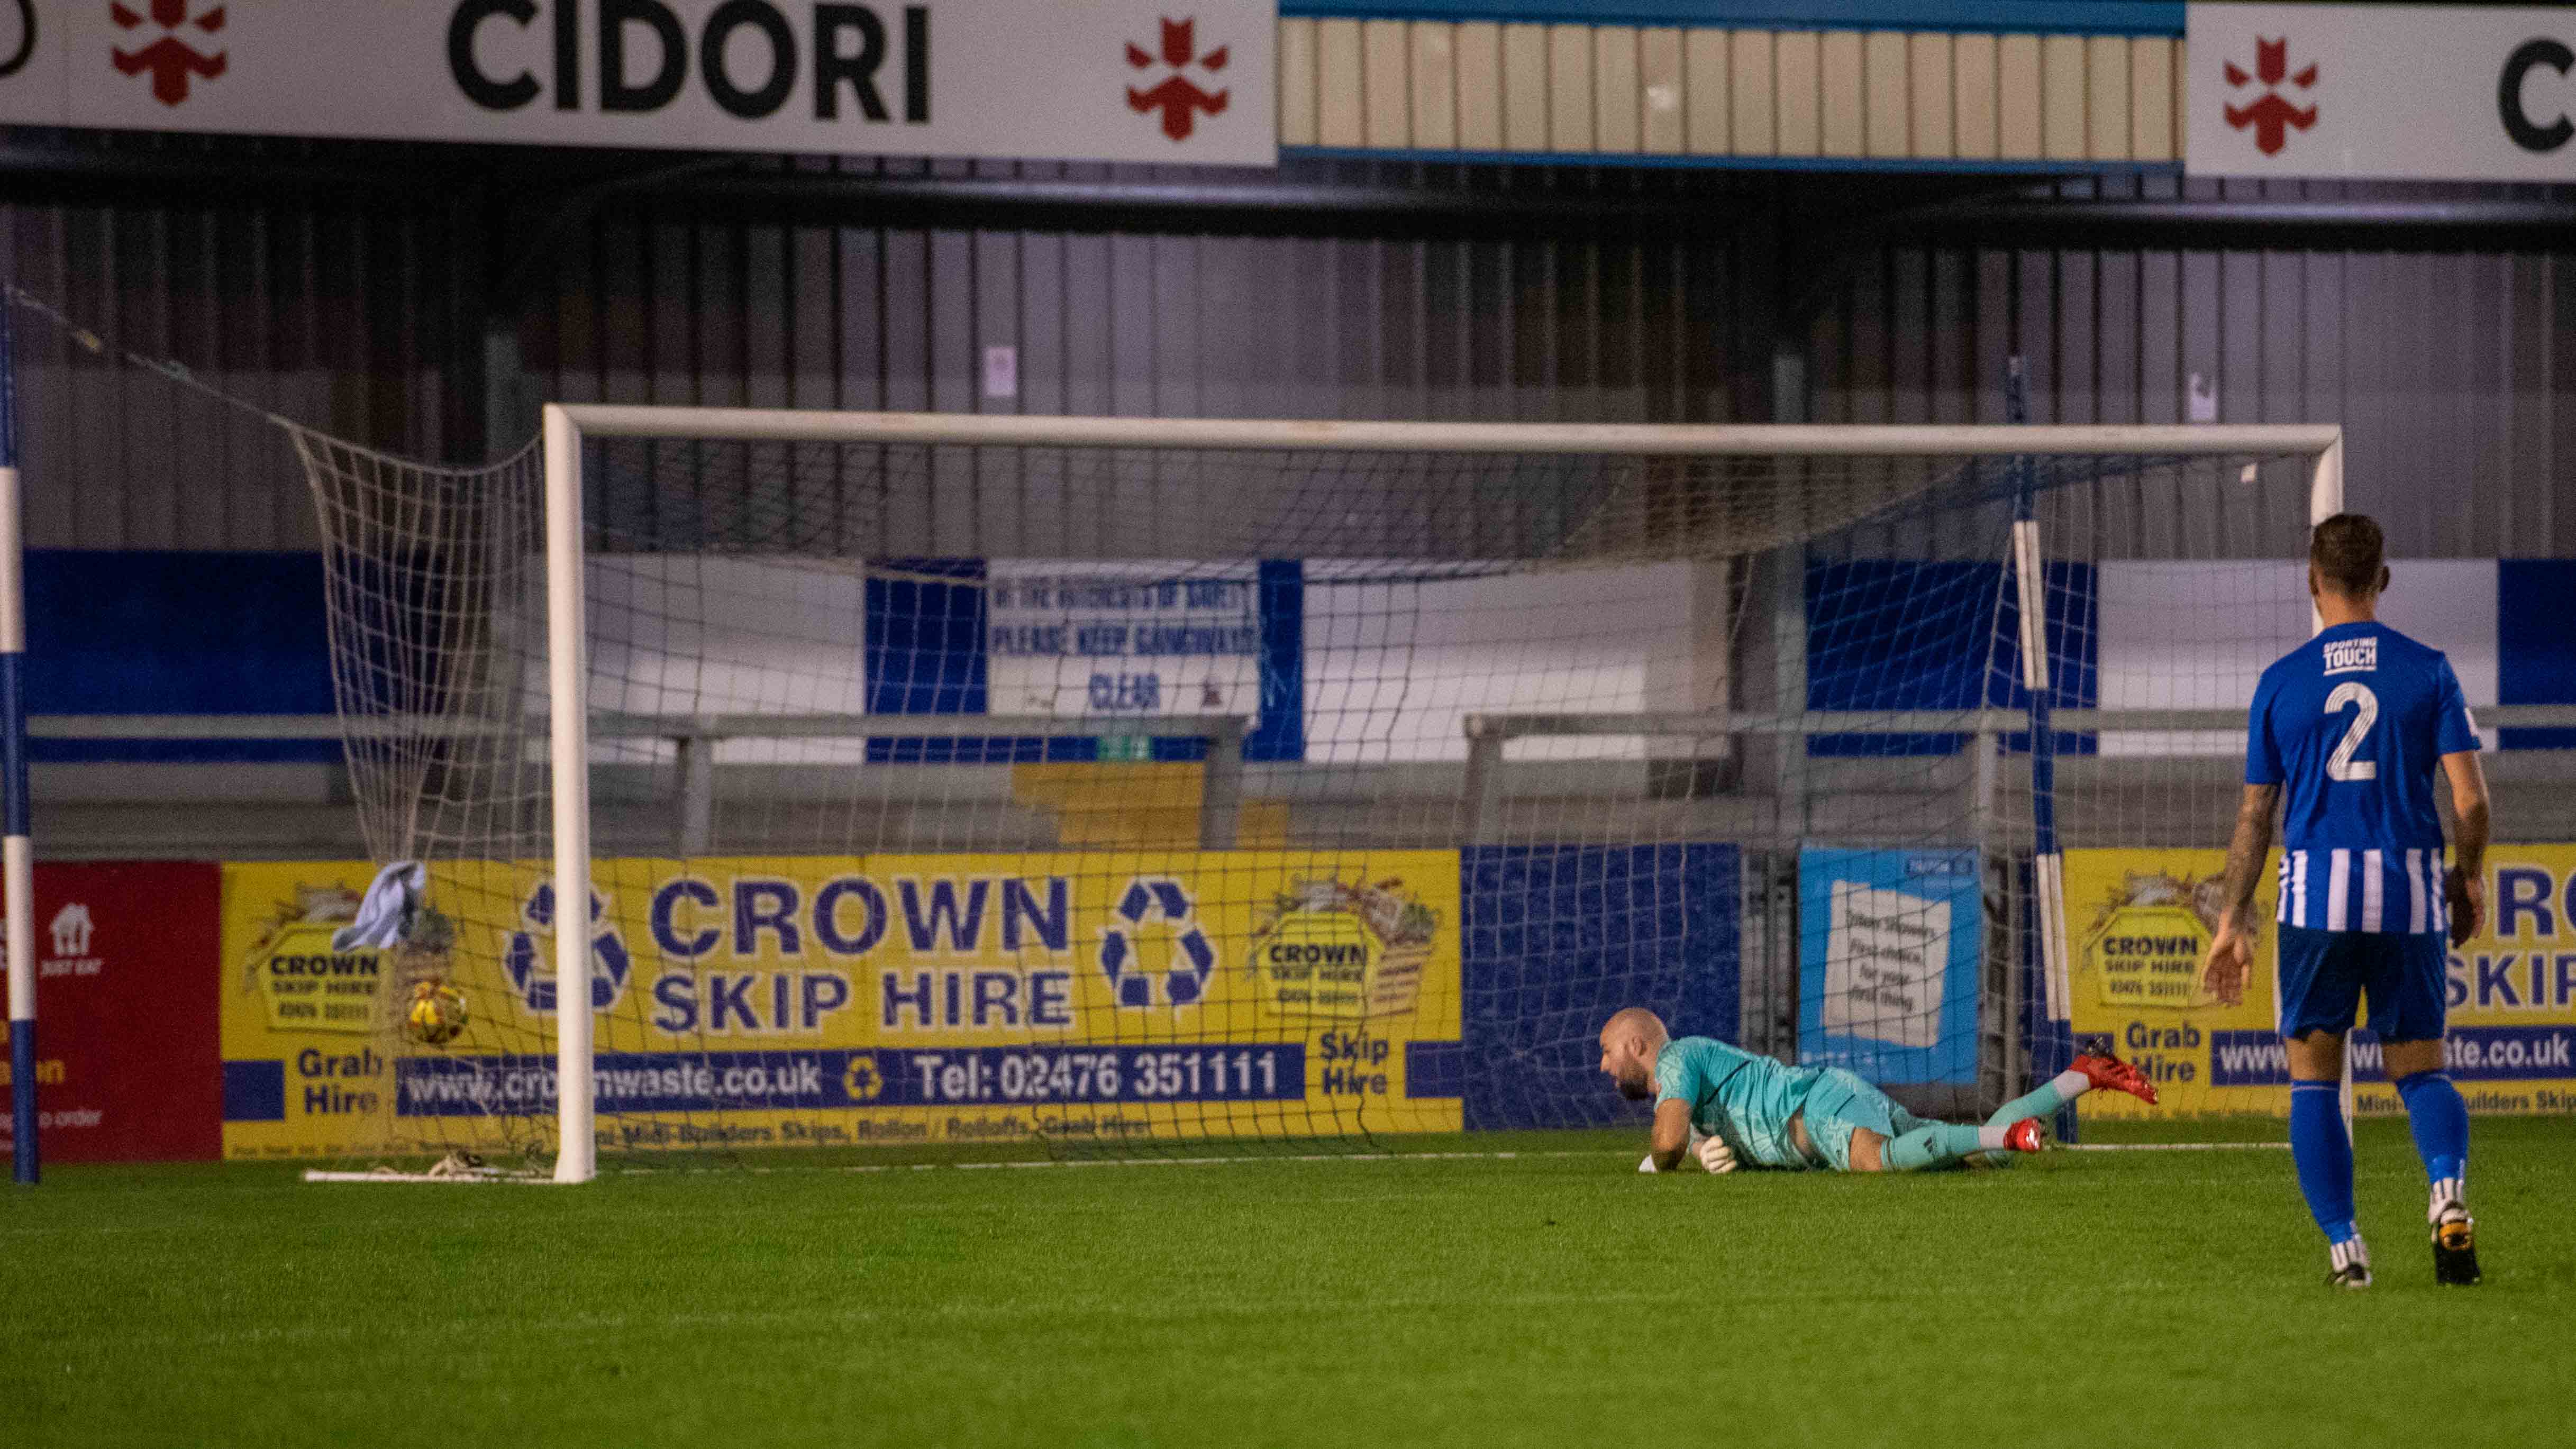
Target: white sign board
2382, 92
1885, 956
1104, 80
1136, 639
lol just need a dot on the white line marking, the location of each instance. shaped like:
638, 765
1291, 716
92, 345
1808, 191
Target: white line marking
2172, 1146
317, 1175
1192, 1161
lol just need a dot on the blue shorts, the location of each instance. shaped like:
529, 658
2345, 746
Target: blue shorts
1841, 1101
2324, 973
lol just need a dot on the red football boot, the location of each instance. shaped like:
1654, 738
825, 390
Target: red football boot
2023, 1136
2110, 1074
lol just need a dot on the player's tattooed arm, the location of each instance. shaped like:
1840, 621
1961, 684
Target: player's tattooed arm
2464, 887
2231, 947
2245, 851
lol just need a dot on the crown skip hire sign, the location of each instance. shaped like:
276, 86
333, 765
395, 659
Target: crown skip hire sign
2382, 92
1105, 80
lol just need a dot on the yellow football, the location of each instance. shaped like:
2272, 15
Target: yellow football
437, 1014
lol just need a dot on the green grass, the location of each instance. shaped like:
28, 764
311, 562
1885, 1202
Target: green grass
2167, 1298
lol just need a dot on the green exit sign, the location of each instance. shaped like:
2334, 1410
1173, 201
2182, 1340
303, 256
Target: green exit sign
1128, 748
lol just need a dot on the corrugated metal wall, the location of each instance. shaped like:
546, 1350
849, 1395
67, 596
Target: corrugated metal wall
672, 311
363, 323
2454, 373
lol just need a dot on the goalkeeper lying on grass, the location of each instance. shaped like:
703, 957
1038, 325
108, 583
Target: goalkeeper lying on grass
1731, 1109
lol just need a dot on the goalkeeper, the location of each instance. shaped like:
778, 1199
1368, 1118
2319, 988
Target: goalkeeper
1731, 1108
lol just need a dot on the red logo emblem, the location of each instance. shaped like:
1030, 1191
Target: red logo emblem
170, 59
2271, 116
1178, 97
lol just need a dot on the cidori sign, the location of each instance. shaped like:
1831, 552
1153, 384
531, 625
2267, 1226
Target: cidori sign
1104, 80
2382, 92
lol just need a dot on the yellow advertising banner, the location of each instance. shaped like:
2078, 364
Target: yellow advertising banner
305, 1030
884, 999
2139, 921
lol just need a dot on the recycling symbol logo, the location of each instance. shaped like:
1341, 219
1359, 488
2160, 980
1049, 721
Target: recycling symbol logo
532, 976
863, 1082
1189, 958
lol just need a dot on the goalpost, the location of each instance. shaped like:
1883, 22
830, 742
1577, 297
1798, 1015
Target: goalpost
1034, 776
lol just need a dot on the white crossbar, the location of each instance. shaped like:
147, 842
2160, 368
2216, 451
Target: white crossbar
775, 425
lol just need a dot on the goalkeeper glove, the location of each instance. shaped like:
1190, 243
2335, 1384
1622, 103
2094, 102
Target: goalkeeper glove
1715, 1155
1692, 1146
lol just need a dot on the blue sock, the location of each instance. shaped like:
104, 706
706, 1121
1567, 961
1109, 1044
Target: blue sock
2441, 1123
2323, 1151
1935, 1144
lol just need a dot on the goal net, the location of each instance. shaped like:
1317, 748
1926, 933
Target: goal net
1118, 784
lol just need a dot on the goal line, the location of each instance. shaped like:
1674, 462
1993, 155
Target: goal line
489, 1176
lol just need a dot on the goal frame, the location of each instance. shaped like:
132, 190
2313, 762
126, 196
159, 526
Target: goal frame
566, 425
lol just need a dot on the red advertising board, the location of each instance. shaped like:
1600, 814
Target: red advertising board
127, 1059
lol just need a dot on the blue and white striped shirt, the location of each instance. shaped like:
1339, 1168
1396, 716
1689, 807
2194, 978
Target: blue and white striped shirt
2342, 889
2352, 726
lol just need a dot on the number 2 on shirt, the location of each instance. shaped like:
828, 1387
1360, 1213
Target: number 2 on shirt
2341, 765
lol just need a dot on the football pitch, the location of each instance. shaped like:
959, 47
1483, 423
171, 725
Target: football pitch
1554, 1297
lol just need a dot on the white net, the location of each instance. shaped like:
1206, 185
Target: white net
945, 792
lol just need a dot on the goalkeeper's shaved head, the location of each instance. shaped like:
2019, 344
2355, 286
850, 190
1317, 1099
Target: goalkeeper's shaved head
1629, 1043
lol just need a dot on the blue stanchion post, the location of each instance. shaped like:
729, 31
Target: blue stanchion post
17, 854
2053, 1044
